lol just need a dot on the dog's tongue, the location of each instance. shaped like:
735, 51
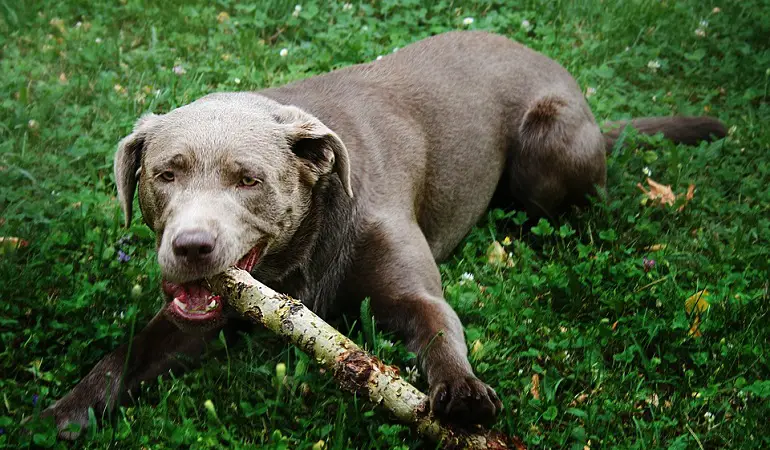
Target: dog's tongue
198, 297
194, 295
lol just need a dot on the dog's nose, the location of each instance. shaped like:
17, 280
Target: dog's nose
193, 245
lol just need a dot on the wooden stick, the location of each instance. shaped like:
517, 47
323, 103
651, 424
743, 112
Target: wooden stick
354, 369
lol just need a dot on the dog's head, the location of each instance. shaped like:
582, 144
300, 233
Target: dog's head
223, 181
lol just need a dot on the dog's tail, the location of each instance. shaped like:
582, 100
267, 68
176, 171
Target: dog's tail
680, 129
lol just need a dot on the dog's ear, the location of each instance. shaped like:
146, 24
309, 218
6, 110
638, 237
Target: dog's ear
314, 142
128, 163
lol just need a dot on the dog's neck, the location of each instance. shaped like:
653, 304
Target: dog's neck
314, 264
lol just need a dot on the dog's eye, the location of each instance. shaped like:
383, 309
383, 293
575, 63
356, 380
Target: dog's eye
248, 181
167, 175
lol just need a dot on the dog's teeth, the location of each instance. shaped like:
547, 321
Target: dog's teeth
180, 304
213, 303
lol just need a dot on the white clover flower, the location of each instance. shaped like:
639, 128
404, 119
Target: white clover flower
526, 25
700, 32
647, 171
98, 40
179, 70
704, 24
237, 80
716, 10
708, 416
347, 7
379, 57
33, 124
590, 91
653, 65
386, 343
297, 10
468, 21
466, 278
284, 51
627, 49
365, 28
78, 24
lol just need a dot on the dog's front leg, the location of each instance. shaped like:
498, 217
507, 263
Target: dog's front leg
397, 271
154, 351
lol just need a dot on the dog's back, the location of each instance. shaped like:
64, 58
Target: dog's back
445, 119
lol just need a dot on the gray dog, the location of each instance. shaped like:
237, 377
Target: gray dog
350, 185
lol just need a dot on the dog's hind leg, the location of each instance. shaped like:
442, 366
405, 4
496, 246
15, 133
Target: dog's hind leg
557, 156
397, 272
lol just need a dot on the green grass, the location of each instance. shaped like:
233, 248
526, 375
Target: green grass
574, 304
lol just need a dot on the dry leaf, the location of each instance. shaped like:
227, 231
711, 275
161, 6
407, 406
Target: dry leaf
698, 302
496, 254
662, 194
535, 389
688, 196
658, 193
656, 247
695, 328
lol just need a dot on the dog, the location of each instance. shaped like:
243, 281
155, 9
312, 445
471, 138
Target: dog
349, 185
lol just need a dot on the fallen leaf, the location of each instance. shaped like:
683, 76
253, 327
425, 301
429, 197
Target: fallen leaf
658, 193
698, 302
656, 247
690, 192
496, 254
688, 196
662, 194
695, 328
535, 389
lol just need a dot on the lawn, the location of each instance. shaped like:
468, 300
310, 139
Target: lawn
582, 324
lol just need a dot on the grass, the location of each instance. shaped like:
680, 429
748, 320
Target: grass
570, 305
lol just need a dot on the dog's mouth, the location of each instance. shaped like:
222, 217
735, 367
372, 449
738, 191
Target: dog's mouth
192, 303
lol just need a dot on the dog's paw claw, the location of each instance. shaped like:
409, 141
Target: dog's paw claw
465, 400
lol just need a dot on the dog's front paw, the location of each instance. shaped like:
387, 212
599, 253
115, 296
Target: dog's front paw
465, 400
71, 418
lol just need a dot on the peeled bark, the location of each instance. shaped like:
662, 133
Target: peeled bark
354, 369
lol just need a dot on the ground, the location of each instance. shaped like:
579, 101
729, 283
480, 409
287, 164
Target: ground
582, 324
